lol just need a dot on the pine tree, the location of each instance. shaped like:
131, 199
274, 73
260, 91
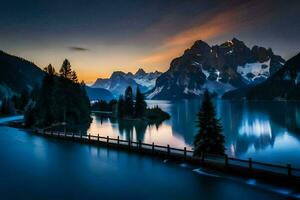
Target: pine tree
209, 138
50, 70
65, 70
140, 104
129, 102
74, 77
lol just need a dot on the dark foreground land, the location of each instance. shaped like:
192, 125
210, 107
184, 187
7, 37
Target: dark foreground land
35, 167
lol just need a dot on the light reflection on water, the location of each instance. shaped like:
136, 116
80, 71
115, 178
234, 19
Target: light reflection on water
265, 131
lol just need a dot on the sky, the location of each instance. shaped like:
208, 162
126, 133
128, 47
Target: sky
99, 37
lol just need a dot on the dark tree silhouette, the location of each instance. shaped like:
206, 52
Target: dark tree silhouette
60, 99
140, 104
50, 70
74, 77
65, 70
129, 110
209, 138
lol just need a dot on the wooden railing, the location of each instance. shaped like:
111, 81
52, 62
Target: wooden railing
178, 153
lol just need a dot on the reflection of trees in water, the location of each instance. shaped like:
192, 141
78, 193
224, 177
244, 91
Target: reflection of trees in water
127, 127
183, 116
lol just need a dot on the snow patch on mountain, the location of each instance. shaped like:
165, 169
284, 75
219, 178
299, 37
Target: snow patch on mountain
253, 72
155, 92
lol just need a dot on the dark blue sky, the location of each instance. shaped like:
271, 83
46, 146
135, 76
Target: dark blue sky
102, 36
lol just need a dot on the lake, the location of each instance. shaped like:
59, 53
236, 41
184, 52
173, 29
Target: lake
34, 167
265, 131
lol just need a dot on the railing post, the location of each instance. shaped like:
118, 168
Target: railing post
140, 145
168, 150
73, 136
107, 140
98, 138
289, 167
202, 157
129, 144
152, 147
118, 140
80, 137
250, 163
184, 153
89, 137
226, 160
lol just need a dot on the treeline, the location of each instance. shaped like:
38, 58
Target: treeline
131, 106
128, 108
60, 99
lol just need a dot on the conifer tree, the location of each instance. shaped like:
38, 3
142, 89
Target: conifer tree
140, 104
65, 70
209, 138
129, 102
74, 77
50, 70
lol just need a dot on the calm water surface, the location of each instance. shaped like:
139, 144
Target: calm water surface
265, 131
33, 167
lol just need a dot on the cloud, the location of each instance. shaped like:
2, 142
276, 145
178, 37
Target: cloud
214, 24
76, 48
161, 57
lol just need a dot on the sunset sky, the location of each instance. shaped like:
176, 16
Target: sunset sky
99, 37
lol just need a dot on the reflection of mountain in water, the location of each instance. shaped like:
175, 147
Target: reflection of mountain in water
255, 131
260, 123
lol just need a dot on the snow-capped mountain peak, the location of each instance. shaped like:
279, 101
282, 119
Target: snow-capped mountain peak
218, 68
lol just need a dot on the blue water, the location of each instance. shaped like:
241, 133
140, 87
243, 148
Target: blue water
264, 131
33, 167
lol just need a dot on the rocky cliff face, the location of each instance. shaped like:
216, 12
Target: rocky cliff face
282, 85
218, 68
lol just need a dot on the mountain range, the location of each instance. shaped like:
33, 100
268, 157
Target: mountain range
218, 68
283, 85
119, 81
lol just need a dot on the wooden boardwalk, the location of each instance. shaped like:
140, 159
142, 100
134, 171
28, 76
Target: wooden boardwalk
213, 161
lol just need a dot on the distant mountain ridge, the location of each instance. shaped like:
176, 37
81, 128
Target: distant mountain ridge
119, 81
282, 85
218, 68
95, 94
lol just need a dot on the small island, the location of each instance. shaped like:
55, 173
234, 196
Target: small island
130, 108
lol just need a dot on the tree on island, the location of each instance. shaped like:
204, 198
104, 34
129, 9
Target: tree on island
209, 139
127, 109
128, 104
140, 104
